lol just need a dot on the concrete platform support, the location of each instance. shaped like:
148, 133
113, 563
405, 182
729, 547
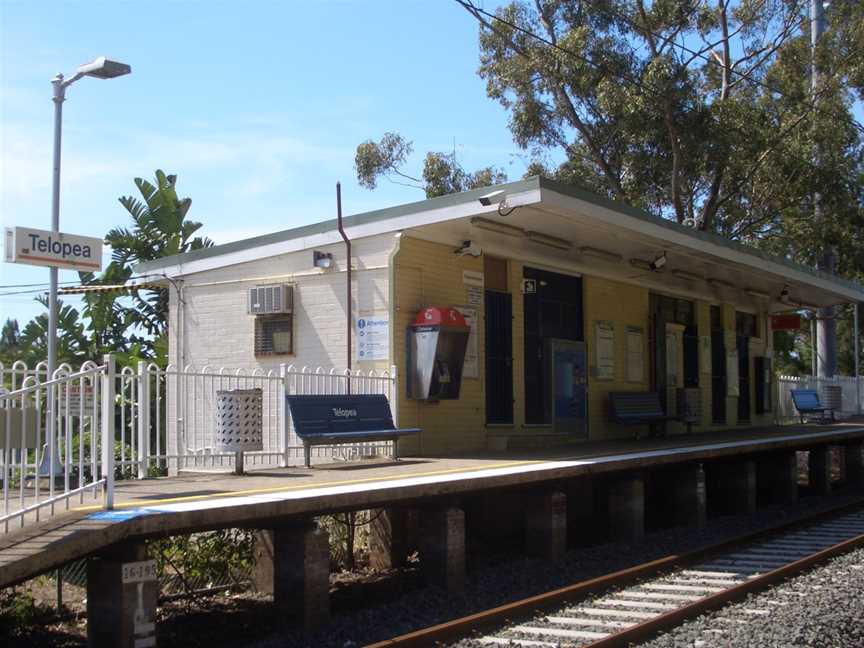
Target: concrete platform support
392, 537
582, 526
736, 487
854, 464
293, 563
819, 470
442, 547
777, 478
546, 525
689, 496
122, 590
626, 502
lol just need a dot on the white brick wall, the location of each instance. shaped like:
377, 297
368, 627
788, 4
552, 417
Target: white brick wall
218, 331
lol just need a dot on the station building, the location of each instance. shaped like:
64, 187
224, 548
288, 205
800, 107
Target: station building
569, 297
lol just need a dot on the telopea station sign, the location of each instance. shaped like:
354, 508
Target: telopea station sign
44, 248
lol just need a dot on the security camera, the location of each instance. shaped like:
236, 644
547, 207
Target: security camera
658, 263
468, 248
494, 198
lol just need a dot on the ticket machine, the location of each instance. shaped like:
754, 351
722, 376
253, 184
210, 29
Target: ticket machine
438, 340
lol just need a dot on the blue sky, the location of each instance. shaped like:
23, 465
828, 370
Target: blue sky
258, 108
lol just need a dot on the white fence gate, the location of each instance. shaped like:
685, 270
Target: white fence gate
67, 439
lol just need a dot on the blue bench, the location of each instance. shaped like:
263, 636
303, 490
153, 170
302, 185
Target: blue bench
639, 408
807, 402
344, 418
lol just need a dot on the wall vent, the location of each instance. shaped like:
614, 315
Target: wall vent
265, 300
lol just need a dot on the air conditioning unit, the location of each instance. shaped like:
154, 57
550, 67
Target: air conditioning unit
264, 300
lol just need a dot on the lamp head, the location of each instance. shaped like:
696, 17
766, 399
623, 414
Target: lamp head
104, 68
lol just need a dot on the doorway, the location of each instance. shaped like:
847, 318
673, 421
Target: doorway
552, 310
499, 357
718, 367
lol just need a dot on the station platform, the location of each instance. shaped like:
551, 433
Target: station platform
204, 501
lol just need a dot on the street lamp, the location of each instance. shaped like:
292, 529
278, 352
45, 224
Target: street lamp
100, 68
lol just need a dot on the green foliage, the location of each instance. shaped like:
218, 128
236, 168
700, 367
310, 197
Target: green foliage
18, 611
201, 560
442, 174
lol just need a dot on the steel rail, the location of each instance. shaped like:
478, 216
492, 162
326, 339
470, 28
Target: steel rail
459, 628
648, 629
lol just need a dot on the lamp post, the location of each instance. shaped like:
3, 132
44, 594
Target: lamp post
100, 68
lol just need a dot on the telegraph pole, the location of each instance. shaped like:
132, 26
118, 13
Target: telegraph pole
826, 325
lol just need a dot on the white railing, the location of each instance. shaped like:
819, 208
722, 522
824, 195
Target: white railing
189, 398
852, 390
55, 439
143, 422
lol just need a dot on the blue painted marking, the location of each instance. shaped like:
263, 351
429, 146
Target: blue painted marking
120, 516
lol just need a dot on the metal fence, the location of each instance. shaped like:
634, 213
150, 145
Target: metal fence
55, 437
852, 390
54, 433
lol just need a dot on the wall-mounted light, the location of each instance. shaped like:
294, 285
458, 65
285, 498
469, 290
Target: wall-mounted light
602, 255
499, 228
549, 241
785, 297
757, 293
688, 276
322, 260
719, 283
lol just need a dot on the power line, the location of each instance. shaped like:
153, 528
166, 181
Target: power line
35, 285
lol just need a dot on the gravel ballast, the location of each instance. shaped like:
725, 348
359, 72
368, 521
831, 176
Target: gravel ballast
822, 608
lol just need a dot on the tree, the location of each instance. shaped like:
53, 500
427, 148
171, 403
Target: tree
10, 341
109, 322
442, 174
698, 111
159, 228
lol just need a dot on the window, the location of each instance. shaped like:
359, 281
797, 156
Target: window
274, 335
745, 325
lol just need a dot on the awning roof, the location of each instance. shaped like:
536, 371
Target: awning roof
700, 264
115, 288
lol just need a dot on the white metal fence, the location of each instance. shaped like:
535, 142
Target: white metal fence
852, 394
55, 438
161, 421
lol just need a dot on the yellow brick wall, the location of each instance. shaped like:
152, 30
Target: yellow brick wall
625, 305
428, 274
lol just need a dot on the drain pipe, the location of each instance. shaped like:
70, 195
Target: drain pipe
348, 275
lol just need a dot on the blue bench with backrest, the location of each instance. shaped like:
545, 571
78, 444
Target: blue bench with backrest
639, 408
807, 402
344, 418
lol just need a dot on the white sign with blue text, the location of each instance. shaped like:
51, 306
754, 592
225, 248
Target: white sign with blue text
373, 337
56, 249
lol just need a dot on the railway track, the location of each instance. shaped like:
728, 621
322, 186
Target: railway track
636, 604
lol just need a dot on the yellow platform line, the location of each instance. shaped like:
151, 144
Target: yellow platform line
285, 489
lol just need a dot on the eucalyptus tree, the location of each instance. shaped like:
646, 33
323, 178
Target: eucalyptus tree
696, 110
442, 174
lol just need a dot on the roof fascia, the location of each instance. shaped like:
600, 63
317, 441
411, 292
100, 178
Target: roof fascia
526, 193
611, 213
